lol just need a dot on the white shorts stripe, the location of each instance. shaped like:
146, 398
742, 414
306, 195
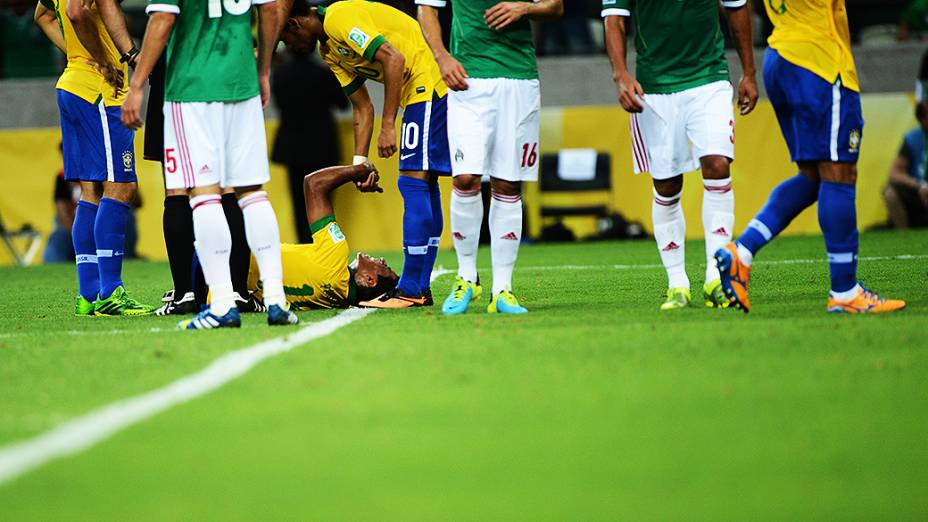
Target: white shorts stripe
425, 135
107, 146
835, 118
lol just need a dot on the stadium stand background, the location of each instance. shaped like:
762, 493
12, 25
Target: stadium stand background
579, 111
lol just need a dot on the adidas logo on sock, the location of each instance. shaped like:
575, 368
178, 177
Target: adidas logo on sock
720, 231
459, 236
511, 236
670, 246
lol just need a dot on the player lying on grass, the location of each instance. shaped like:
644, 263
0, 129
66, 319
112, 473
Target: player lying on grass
317, 275
361, 40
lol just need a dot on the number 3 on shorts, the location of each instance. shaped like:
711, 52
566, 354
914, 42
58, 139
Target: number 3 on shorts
529, 154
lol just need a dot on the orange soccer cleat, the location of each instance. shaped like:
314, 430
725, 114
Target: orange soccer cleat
394, 299
866, 302
735, 276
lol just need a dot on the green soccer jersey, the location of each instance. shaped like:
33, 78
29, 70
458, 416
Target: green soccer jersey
483, 52
679, 42
210, 55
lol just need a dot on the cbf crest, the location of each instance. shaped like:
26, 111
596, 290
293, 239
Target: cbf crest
127, 160
854, 140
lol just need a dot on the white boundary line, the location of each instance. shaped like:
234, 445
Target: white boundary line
85, 431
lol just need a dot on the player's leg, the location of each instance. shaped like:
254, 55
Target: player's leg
514, 159
436, 226
471, 132
439, 165
177, 225
246, 169
240, 256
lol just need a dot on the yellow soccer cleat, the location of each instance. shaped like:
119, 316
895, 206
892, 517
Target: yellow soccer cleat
866, 302
677, 298
714, 295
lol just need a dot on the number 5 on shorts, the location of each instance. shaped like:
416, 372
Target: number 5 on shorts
170, 163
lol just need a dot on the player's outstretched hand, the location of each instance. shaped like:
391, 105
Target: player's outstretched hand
386, 141
747, 94
505, 13
453, 73
630, 92
132, 109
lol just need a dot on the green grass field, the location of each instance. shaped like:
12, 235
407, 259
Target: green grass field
595, 406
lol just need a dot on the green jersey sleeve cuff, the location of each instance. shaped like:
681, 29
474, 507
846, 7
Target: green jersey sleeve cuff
432, 3
162, 8
615, 11
373, 46
321, 223
734, 4
355, 84
48, 4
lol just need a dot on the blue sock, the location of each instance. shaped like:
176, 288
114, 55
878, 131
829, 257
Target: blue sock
417, 220
786, 201
110, 233
435, 229
837, 216
85, 250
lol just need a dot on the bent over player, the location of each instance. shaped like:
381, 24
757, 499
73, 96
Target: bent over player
214, 127
317, 275
98, 151
361, 40
682, 119
493, 127
812, 83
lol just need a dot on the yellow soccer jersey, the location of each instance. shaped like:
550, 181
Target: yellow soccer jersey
813, 34
356, 30
80, 78
315, 275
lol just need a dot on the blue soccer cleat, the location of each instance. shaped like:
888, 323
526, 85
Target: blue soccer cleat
461, 295
207, 320
277, 315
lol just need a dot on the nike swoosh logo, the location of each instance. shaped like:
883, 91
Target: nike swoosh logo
404, 156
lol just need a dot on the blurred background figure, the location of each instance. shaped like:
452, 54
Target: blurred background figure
60, 249
306, 95
906, 194
571, 33
913, 23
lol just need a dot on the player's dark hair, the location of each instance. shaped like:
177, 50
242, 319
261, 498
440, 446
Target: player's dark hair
384, 285
300, 8
921, 111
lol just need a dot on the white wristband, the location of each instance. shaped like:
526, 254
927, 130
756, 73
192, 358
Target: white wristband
357, 160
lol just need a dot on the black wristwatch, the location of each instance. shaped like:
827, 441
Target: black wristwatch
129, 55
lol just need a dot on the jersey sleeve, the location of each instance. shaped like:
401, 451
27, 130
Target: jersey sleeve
617, 8
905, 151
432, 3
163, 6
349, 81
357, 30
733, 4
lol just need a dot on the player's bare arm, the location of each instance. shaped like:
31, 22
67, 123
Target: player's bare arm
630, 91
268, 31
394, 63
81, 16
452, 72
363, 114
505, 13
283, 14
46, 19
156, 37
115, 22
739, 20
318, 186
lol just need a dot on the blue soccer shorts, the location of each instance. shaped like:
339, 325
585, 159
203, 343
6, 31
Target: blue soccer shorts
424, 137
95, 144
820, 121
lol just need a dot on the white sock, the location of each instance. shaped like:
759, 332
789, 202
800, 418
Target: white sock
466, 218
264, 240
213, 245
718, 218
670, 234
746, 256
505, 236
846, 295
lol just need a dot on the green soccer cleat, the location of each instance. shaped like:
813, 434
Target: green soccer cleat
119, 303
714, 295
83, 307
677, 298
505, 303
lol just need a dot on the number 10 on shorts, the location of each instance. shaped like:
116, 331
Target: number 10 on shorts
529, 154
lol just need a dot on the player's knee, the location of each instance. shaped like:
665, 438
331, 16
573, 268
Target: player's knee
669, 187
506, 188
467, 182
241, 192
715, 167
810, 171
123, 192
891, 196
845, 173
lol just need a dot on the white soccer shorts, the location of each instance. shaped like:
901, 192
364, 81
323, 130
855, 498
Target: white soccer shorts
206, 143
677, 129
493, 128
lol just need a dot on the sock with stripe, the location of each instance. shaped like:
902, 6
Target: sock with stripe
213, 244
718, 219
670, 234
505, 236
85, 250
466, 218
263, 237
417, 224
435, 230
837, 217
109, 231
786, 201
240, 256
177, 223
